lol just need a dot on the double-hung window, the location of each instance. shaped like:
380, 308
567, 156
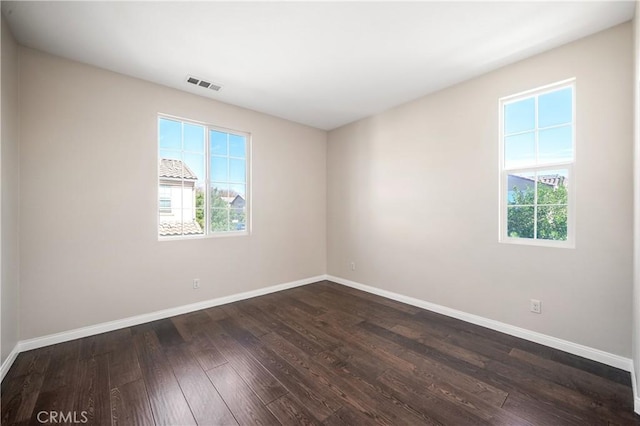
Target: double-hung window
203, 179
537, 156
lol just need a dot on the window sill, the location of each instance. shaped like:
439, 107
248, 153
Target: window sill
204, 237
540, 243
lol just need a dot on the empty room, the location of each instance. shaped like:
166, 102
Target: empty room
320, 213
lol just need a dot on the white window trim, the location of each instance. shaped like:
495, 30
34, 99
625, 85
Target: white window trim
503, 172
248, 186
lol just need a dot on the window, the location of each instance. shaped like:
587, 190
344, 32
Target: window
537, 155
164, 193
202, 179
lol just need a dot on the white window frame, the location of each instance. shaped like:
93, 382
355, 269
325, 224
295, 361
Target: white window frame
570, 166
207, 201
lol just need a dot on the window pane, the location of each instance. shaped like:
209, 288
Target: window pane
169, 225
238, 189
218, 143
520, 222
222, 199
555, 108
193, 138
555, 145
192, 191
200, 219
200, 189
190, 225
166, 202
218, 170
238, 219
237, 171
170, 136
521, 189
552, 223
165, 205
219, 219
237, 146
193, 167
519, 116
520, 150
170, 155
219, 195
552, 187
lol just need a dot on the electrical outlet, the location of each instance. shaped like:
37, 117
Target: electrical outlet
353, 266
536, 306
196, 283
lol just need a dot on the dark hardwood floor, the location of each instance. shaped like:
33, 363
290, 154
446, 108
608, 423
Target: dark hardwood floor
318, 354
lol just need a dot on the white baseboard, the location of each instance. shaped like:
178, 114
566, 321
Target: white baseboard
634, 385
6, 365
65, 336
563, 345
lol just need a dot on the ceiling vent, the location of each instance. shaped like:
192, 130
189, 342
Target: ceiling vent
203, 83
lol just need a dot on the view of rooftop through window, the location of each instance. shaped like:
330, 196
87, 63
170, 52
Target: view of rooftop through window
202, 179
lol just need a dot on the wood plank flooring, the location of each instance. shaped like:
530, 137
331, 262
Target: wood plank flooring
318, 354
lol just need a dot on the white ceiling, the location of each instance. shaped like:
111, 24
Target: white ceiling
322, 64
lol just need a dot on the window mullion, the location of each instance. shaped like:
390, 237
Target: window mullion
536, 138
207, 183
535, 129
228, 183
182, 160
535, 206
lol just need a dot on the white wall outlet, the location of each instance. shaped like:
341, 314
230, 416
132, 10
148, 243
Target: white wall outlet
536, 306
352, 265
196, 283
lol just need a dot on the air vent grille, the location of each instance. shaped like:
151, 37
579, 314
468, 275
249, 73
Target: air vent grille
203, 83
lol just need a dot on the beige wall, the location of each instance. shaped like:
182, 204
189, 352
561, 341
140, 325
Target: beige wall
9, 191
86, 259
636, 179
413, 200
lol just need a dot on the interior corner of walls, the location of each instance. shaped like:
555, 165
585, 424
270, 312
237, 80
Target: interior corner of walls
593, 354
634, 386
7, 363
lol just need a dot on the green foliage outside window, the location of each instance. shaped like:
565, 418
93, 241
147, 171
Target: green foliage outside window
200, 207
223, 216
550, 218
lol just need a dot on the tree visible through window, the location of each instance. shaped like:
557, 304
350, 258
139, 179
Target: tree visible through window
202, 179
537, 160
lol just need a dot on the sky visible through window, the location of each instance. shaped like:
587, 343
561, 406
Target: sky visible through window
554, 130
222, 169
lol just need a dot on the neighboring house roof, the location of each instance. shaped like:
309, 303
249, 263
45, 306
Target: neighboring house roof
233, 200
228, 200
552, 180
238, 201
178, 228
549, 180
170, 168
